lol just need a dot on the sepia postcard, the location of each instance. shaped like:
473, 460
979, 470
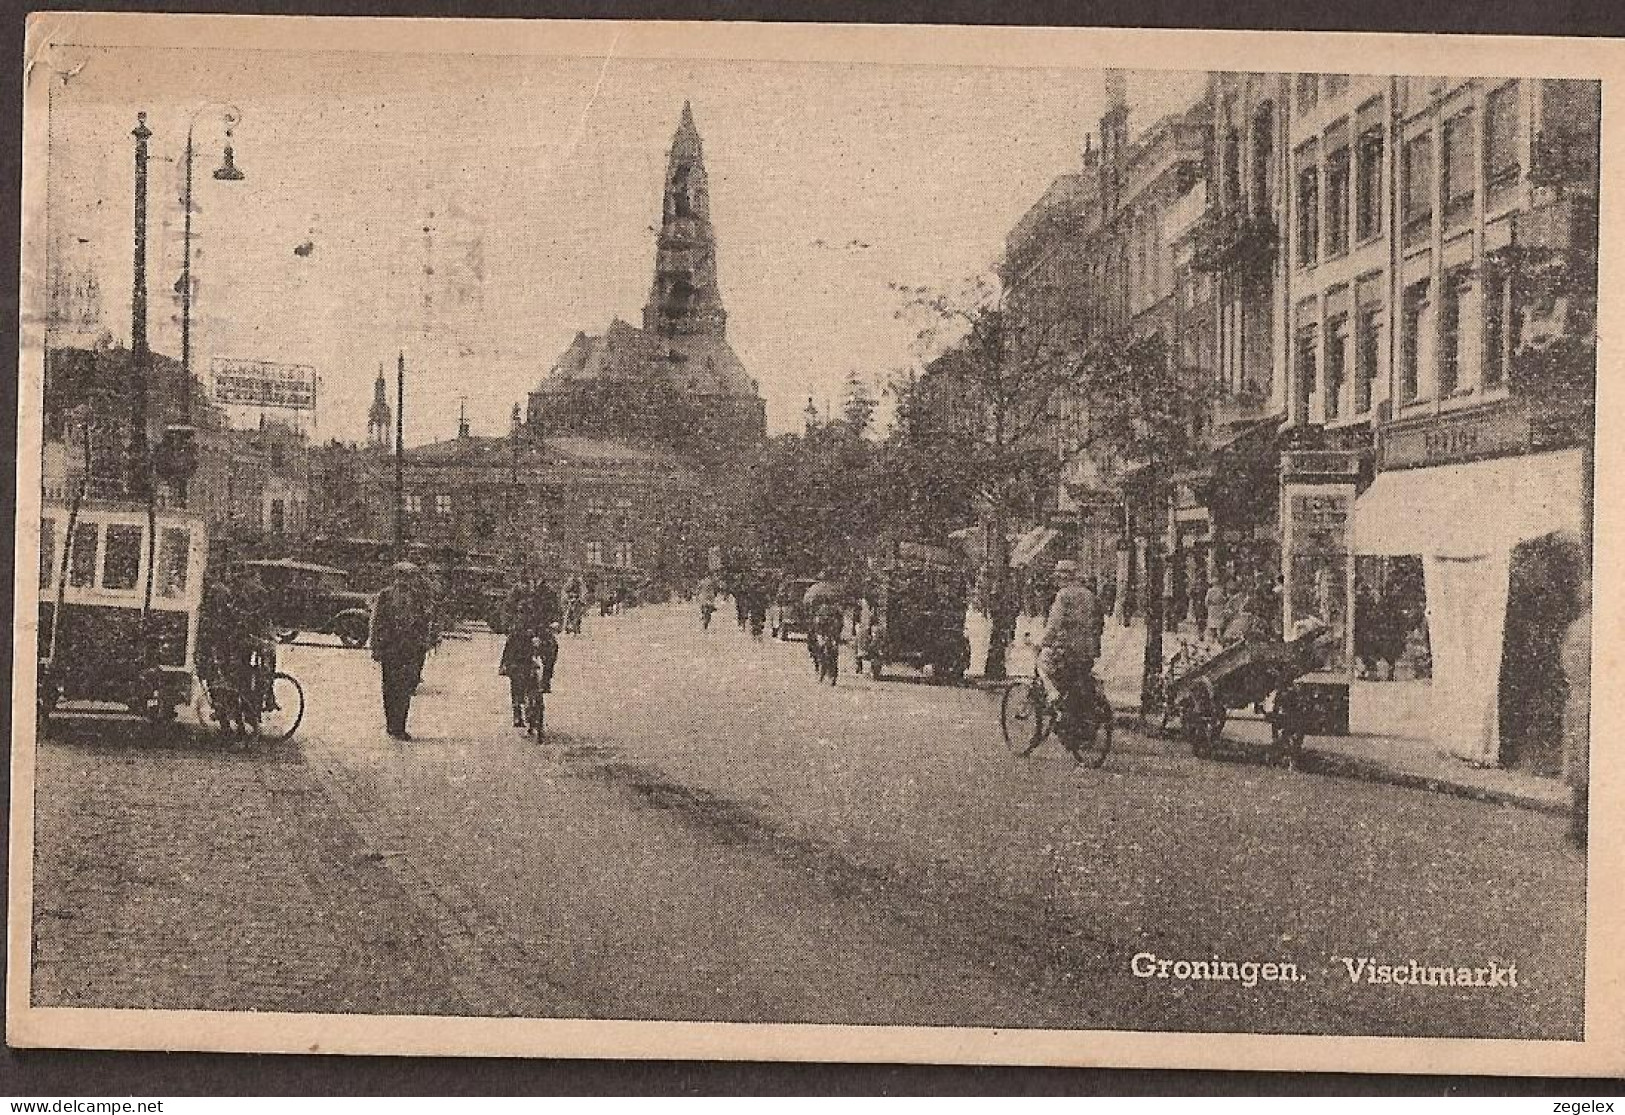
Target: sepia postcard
838, 543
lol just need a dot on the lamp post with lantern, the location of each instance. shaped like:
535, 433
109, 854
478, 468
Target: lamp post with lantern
179, 451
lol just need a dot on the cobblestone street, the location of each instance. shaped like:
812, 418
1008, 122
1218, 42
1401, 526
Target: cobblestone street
709, 834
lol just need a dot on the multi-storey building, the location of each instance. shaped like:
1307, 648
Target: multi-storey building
1390, 285
1095, 260
1455, 320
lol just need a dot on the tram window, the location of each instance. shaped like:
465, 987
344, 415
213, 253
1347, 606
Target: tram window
47, 553
82, 562
123, 561
174, 554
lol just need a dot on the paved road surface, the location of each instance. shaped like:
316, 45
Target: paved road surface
711, 835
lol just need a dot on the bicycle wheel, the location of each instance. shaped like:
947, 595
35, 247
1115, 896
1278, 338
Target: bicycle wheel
282, 720
1022, 718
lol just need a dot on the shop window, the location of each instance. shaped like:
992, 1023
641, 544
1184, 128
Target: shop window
1503, 135
82, 559
1458, 170
1337, 202
1418, 190
1368, 193
1390, 620
47, 553
1415, 347
122, 562
174, 562
1308, 215
1368, 356
1305, 370
1337, 339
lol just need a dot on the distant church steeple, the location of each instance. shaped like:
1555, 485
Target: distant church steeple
379, 418
684, 298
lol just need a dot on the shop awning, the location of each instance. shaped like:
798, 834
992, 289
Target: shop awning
1030, 545
1470, 510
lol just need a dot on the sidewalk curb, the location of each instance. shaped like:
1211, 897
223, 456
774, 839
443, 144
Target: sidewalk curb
1335, 765
1332, 764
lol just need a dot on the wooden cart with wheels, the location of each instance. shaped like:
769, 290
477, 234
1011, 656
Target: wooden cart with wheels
1250, 673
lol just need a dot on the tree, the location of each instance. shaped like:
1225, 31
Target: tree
1143, 426
858, 405
980, 420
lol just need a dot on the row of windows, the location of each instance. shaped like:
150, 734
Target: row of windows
440, 504
1344, 187
1455, 149
1458, 338
1352, 174
110, 557
1451, 342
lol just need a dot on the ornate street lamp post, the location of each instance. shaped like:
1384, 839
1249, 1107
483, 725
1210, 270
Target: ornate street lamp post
178, 438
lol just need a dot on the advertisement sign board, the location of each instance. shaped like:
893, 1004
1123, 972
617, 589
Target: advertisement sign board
260, 383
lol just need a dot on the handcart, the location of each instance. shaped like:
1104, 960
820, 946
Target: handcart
1259, 673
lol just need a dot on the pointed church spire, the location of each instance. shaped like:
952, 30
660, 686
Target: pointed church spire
684, 298
379, 417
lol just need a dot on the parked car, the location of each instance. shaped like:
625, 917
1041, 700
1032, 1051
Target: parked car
304, 596
914, 613
788, 614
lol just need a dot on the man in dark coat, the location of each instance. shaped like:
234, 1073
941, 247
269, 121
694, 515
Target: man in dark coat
400, 639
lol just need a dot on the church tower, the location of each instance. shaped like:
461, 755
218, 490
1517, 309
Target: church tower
684, 299
379, 418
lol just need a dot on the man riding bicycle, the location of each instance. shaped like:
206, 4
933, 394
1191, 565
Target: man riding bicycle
1071, 643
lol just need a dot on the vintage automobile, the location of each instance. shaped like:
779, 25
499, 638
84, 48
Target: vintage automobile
788, 614
305, 596
121, 585
913, 613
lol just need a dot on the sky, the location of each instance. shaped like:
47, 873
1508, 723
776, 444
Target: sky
540, 180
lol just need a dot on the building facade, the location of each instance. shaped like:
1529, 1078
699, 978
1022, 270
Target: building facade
1389, 287
621, 465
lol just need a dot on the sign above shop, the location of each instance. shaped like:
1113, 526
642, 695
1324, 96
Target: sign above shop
1451, 439
1321, 465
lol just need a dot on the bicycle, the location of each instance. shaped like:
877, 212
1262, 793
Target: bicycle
268, 704
1028, 716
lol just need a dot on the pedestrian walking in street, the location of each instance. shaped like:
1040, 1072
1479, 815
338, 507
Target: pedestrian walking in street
400, 642
1216, 603
707, 593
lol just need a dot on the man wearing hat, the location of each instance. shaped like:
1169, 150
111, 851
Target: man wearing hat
1071, 641
400, 640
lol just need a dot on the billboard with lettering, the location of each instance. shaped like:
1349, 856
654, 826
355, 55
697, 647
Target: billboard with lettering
260, 383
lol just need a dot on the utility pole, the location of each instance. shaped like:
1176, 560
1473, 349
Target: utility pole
400, 451
140, 354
